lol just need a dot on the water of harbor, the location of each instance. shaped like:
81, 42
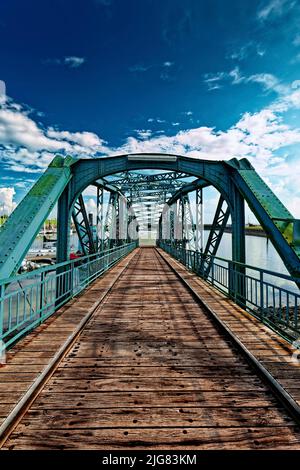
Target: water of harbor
259, 251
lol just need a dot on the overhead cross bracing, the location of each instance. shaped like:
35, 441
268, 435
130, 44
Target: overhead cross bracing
148, 193
147, 182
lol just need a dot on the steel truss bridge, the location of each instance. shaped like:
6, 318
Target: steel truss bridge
143, 336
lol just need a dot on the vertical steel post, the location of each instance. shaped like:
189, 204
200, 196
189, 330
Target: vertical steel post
2, 291
183, 227
172, 225
42, 289
117, 218
261, 293
63, 227
99, 219
239, 243
160, 234
199, 220
63, 240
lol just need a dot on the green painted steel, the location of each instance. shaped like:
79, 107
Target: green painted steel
29, 299
84, 231
22, 227
279, 224
66, 179
215, 236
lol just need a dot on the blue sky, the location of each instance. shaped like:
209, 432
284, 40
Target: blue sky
209, 79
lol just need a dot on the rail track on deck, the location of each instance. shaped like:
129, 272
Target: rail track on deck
151, 366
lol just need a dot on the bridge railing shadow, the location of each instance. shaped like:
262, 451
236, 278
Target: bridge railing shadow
273, 298
28, 299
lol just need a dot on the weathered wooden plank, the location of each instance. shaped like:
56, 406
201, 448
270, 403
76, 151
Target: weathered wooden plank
151, 370
151, 384
263, 343
158, 398
154, 417
72, 373
158, 438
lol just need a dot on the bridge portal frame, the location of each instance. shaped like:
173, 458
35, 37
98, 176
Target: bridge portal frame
66, 178
216, 173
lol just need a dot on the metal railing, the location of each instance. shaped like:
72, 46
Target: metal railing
28, 299
272, 297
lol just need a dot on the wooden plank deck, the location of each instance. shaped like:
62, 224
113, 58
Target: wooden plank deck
151, 370
274, 353
27, 359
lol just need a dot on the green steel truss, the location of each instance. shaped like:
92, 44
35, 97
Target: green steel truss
83, 228
214, 239
167, 178
22, 227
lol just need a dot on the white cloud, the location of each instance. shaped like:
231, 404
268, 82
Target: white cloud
85, 139
17, 128
250, 48
236, 76
7, 204
165, 69
27, 147
268, 81
158, 120
144, 133
91, 207
274, 8
296, 59
296, 40
69, 61
74, 61
214, 81
2, 91
295, 84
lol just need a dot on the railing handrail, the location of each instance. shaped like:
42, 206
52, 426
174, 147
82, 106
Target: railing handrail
23, 307
54, 267
271, 303
247, 266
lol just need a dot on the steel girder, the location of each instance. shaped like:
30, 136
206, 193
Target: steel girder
149, 189
215, 235
83, 227
199, 220
132, 179
65, 180
180, 229
111, 221
100, 218
222, 175
23, 225
189, 228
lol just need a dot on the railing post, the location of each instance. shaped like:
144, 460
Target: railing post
72, 279
2, 291
261, 291
231, 286
42, 296
88, 271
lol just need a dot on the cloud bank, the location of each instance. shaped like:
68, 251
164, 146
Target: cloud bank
262, 137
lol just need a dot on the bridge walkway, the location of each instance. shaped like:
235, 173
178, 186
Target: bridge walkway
150, 367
